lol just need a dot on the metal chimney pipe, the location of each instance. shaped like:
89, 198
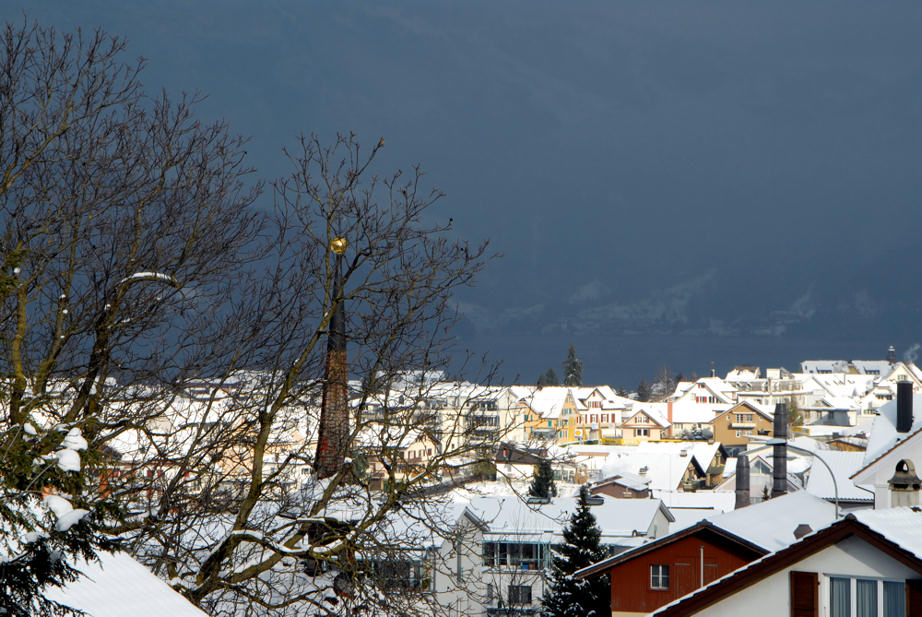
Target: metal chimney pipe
780, 451
742, 481
903, 406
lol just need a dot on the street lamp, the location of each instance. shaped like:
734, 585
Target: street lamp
777, 442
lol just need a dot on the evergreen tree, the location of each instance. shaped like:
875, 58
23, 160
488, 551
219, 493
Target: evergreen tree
572, 369
549, 378
542, 482
567, 596
643, 391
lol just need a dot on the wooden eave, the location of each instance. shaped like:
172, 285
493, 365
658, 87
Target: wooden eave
757, 571
700, 527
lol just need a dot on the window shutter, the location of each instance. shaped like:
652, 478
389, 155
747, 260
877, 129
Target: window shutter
913, 597
804, 587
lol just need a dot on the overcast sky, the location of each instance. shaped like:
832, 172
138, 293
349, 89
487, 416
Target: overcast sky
669, 182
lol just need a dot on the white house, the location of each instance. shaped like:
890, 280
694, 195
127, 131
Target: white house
503, 551
887, 446
869, 563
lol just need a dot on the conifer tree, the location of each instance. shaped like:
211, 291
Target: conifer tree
549, 378
542, 482
567, 596
643, 391
572, 369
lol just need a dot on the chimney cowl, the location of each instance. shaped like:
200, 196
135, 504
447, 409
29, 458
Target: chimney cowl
904, 477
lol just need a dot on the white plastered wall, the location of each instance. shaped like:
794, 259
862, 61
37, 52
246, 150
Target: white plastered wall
770, 597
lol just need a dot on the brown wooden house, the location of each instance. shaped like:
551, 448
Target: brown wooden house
736, 425
655, 574
622, 486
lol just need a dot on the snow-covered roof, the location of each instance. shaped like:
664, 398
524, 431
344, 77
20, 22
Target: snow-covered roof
824, 366
376, 435
117, 585
546, 402
766, 411
654, 411
902, 526
722, 390
689, 508
843, 465
627, 479
884, 436
664, 467
743, 373
510, 516
770, 524
605, 394
845, 385
681, 388
719, 501
688, 412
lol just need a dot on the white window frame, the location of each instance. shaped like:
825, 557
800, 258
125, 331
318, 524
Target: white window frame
659, 574
826, 591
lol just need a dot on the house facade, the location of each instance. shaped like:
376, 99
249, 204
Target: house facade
498, 566
865, 564
644, 424
657, 573
737, 425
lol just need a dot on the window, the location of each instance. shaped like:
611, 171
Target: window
519, 594
459, 569
643, 432
866, 597
659, 577
522, 555
398, 575
894, 599
840, 603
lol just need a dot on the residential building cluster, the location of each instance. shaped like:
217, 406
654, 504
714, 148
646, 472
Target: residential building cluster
701, 511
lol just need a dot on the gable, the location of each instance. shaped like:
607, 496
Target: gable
683, 541
856, 538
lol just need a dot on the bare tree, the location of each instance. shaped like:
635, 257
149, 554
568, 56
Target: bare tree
150, 306
401, 268
123, 219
